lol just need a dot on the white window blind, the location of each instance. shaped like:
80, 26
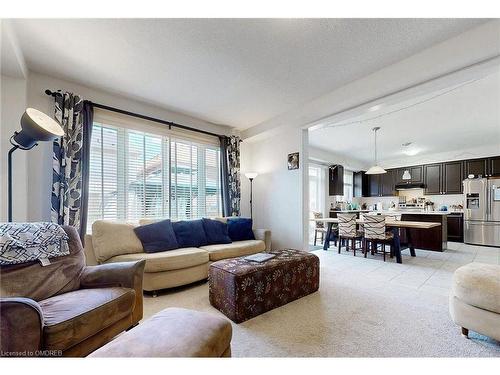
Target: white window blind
155, 174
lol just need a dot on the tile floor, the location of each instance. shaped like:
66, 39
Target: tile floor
429, 271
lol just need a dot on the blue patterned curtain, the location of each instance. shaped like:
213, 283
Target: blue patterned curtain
230, 175
70, 161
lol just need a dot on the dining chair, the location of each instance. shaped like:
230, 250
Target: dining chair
375, 234
319, 227
348, 231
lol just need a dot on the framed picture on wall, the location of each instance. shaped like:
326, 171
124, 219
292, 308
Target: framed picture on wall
293, 161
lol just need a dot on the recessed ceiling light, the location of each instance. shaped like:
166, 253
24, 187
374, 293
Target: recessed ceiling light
375, 108
411, 152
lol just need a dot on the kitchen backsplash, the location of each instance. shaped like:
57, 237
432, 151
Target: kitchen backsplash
439, 200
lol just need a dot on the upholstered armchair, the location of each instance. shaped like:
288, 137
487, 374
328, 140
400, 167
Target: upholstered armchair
67, 308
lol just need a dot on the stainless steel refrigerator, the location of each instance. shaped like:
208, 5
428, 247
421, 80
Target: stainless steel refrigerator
482, 211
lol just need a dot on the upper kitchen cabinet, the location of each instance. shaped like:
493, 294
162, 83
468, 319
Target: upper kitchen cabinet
476, 167
382, 185
336, 180
443, 178
494, 166
361, 184
387, 185
433, 178
453, 177
374, 185
416, 172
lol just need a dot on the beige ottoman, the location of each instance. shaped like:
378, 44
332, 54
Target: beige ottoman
475, 299
173, 332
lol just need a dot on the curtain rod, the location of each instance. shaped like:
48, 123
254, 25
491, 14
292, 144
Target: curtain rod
144, 117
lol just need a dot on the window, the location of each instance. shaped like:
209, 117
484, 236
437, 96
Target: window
151, 174
348, 186
316, 188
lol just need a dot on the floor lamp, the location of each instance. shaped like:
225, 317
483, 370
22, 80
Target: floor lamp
251, 176
35, 126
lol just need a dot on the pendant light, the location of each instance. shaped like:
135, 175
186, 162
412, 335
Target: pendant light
376, 169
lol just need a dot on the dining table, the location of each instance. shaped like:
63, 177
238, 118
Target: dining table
393, 225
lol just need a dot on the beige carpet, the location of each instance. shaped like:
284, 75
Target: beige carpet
364, 308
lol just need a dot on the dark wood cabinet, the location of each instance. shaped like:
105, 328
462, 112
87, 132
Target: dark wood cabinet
387, 187
476, 167
416, 172
433, 178
452, 177
361, 184
494, 166
374, 185
455, 227
439, 178
336, 180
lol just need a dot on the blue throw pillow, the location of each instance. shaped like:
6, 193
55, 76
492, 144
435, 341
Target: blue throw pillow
216, 231
240, 229
190, 233
157, 237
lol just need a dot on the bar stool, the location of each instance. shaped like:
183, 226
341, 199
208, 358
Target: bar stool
348, 231
375, 234
319, 227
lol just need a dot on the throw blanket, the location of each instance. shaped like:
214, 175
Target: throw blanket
27, 242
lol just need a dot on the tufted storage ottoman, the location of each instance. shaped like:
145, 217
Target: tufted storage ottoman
173, 332
241, 289
475, 299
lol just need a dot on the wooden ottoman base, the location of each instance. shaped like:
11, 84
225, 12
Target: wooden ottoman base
242, 290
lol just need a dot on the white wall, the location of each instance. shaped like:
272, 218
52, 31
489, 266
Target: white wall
13, 104
39, 168
277, 193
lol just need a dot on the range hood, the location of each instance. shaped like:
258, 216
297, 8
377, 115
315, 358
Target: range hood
410, 186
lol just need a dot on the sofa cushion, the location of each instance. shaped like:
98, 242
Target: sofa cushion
216, 232
190, 233
72, 317
111, 238
173, 332
157, 236
478, 284
235, 249
167, 260
240, 229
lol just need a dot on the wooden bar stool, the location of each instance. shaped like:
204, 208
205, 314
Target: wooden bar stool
348, 231
319, 227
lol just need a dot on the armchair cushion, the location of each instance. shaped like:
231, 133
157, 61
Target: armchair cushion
72, 317
21, 326
32, 280
120, 274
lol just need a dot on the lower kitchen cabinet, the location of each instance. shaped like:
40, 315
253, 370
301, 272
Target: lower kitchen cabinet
455, 227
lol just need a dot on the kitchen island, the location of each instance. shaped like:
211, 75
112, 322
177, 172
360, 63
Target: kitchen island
435, 239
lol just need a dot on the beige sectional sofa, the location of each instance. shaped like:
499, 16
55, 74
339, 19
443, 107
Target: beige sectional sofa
116, 242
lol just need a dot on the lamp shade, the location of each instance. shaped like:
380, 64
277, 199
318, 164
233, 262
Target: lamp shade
377, 169
406, 175
251, 175
36, 126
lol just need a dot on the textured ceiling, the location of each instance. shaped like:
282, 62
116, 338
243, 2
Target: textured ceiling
236, 72
453, 119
